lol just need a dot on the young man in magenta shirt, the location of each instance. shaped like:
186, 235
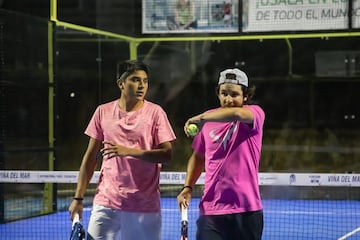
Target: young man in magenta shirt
228, 147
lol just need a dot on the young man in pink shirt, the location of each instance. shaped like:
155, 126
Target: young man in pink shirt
134, 137
228, 146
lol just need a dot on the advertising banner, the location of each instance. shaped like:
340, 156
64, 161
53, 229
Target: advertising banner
298, 15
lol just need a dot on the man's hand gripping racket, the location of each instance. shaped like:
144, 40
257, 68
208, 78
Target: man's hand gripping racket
77, 231
184, 222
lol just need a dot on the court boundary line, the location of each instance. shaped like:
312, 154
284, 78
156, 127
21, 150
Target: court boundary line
349, 234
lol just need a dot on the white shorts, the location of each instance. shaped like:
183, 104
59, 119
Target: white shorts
227, 17
109, 224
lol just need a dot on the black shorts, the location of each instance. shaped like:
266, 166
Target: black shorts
240, 226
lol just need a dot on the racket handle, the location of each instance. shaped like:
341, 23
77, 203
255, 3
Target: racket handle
184, 213
76, 219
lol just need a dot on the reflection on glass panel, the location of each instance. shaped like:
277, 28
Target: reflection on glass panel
24, 90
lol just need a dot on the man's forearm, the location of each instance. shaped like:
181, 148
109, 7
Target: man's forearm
194, 169
85, 174
228, 114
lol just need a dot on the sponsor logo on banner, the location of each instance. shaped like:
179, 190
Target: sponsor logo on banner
292, 178
314, 179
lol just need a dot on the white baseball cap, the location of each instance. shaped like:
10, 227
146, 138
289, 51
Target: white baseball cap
240, 77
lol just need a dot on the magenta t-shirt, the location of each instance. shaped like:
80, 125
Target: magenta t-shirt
232, 155
127, 183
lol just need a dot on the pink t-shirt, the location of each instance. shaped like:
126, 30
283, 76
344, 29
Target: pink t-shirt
232, 155
127, 183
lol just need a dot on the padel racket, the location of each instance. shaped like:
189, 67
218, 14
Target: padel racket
77, 231
184, 223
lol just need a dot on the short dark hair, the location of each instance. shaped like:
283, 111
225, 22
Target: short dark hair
129, 67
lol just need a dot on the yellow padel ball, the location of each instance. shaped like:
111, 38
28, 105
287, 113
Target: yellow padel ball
192, 129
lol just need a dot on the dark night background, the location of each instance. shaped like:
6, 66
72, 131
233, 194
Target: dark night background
310, 98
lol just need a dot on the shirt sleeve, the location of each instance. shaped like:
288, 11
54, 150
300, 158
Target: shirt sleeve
259, 116
164, 131
94, 128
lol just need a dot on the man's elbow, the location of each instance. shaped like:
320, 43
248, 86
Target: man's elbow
166, 152
244, 116
167, 156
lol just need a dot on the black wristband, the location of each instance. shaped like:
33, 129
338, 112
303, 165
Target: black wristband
187, 186
78, 198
